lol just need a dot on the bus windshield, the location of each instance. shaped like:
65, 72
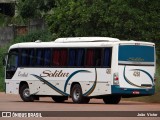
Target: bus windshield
136, 54
12, 63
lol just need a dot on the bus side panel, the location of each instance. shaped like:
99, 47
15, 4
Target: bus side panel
40, 88
12, 87
103, 85
55, 81
136, 76
51, 81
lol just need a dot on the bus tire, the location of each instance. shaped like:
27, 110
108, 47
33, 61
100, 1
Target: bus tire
112, 99
59, 99
76, 94
25, 94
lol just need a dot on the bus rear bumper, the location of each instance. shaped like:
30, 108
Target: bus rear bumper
132, 92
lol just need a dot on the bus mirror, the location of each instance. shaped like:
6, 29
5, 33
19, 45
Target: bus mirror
4, 60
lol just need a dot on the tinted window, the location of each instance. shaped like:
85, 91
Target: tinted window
39, 57
136, 53
59, 57
76, 57
27, 57
107, 57
94, 57
72, 57
90, 57
12, 63
13, 59
35, 57
24, 57
80, 57
98, 57
31, 57
47, 57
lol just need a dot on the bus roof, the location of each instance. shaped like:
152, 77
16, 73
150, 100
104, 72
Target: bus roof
82, 42
86, 39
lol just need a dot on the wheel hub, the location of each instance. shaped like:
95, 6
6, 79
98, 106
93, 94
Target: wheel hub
26, 92
76, 94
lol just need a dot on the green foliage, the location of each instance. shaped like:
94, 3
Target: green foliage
124, 19
1, 20
27, 9
43, 35
3, 50
34, 8
4, 20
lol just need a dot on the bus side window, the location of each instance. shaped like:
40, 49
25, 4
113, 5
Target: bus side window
72, 57
90, 57
56, 57
39, 57
80, 57
98, 57
107, 57
24, 57
59, 57
63, 57
47, 57
31, 57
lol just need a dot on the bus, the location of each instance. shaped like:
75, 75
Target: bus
81, 68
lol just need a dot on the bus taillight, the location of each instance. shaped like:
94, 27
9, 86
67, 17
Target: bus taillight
115, 79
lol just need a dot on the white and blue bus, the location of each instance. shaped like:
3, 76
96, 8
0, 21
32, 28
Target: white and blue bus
81, 68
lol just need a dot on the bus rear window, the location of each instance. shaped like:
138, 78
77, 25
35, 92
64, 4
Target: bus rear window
135, 53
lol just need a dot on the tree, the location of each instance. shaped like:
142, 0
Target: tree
34, 8
124, 19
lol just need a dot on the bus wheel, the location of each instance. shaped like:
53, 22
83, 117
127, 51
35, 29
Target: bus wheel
59, 99
76, 94
112, 99
25, 94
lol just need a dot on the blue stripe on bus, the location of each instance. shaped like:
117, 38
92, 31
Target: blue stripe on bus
116, 89
50, 85
69, 78
134, 52
93, 86
131, 83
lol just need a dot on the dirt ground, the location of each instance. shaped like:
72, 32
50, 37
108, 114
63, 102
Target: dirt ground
14, 103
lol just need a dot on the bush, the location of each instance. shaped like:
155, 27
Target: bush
43, 35
3, 50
